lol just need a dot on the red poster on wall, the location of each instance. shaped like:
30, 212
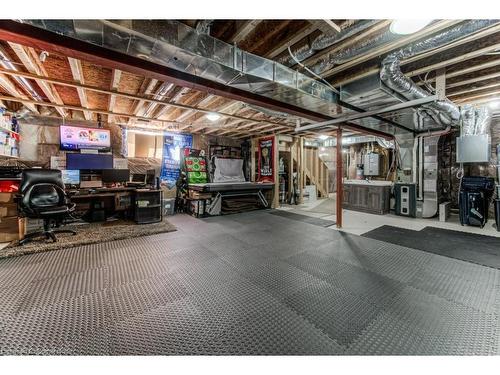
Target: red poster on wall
266, 160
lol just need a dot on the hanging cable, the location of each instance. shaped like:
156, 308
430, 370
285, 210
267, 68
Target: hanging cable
310, 71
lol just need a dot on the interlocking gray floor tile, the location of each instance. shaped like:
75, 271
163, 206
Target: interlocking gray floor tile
337, 312
250, 283
138, 297
53, 290
45, 329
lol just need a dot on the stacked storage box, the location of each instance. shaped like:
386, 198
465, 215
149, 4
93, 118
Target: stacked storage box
11, 227
9, 139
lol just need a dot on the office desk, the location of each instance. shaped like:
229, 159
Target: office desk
100, 203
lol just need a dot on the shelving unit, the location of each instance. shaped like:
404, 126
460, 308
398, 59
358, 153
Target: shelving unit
9, 139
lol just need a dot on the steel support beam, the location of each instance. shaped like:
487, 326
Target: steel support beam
339, 179
357, 116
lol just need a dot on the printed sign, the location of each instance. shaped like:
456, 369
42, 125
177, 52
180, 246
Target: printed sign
266, 160
171, 161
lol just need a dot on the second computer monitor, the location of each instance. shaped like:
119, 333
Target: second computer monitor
115, 175
71, 176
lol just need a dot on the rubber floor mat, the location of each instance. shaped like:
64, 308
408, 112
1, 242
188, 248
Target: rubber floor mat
470, 247
303, 218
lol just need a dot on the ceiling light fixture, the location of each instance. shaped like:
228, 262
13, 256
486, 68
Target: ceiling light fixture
405, 26
213, 116
495, 104
323, 137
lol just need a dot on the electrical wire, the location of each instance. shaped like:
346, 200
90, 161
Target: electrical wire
310, 71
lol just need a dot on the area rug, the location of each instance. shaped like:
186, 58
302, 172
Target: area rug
303, 218
469, 247
89, 233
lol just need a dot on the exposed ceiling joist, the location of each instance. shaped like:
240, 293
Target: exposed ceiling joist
136, 97
470, 38
386, 48
347, 42
115, 81
244, 30
8, 85
472, 89
291, 40
32, 63
76, 70
330, 25
455, 60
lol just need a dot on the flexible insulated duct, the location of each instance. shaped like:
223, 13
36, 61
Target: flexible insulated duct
384, 37
323, 41
445, 112
483, 120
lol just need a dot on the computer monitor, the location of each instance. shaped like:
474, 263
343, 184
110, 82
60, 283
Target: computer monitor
89, 161
139, 177
150, 176
71, 176
115, 175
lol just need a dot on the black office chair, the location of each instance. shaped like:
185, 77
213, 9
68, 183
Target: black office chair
42, 196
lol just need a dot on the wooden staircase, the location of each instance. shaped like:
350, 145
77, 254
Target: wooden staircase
315, 170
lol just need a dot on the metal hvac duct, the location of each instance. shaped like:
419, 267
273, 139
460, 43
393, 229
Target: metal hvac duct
178, 46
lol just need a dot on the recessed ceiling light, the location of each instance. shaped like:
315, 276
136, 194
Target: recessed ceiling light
323, 137
213, 116
406, 26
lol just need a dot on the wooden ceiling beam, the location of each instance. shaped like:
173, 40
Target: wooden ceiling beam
386, 48
97, 111
32, 63
113, 86
347, 42
244, 30
472, 89
133, 96
9, 86
468, 39
291, 40
326, 26
77, 72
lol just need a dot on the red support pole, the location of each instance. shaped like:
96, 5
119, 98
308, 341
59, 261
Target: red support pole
339, 175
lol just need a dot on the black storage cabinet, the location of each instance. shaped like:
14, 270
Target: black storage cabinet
147, 206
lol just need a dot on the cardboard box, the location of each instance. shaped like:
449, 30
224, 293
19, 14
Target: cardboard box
7, 197
197, 195
10, 229
8, 210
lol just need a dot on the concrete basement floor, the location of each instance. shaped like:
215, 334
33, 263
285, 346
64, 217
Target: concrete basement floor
252, 283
